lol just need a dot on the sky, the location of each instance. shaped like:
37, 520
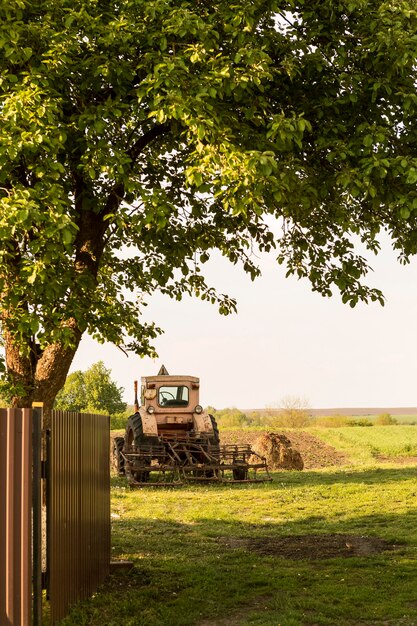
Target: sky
285, 341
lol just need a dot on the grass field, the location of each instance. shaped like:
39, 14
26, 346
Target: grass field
366, 444
335, 546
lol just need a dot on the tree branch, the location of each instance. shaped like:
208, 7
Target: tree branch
157, 131
118, 191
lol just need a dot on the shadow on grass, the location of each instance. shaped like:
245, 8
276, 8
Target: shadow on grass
364, 476
186, 575
155, 535
284, 479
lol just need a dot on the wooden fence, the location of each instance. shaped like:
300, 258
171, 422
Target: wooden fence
75, 533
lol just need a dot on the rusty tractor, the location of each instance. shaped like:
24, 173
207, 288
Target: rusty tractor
171, 439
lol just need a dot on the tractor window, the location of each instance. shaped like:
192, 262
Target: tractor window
173, 396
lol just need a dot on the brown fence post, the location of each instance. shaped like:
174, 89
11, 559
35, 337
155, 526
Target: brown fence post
37, 415
15, 517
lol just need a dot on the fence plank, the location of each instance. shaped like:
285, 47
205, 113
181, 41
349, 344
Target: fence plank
4, 462
15, 517
37, 535
79, 508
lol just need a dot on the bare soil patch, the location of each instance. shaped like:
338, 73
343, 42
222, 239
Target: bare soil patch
310, 547
236, 618
399, 460
314, 452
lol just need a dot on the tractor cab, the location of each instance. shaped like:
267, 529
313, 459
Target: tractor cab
170, 406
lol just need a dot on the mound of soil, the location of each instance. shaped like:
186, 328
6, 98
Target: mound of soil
314, 452
278, 452
310, 547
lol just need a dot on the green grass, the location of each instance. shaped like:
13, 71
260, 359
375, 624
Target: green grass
406, 419
365, 444
187, 572
403, 419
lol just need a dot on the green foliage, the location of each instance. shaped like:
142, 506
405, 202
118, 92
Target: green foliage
361, 421
331, 421
118, 420
231, 417
340, 421
295, 418
255, 419
73, 396
406, 419
5, 397
385, 419
283, 418
91, 391
137, 136
235, 418
294, 415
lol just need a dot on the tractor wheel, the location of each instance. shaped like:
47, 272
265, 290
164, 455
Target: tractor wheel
214, 446
216, 436
134, 430
118, 460
134, 437
141, 477
240, 473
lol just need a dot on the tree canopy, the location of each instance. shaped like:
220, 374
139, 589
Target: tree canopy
92, 390
137, 136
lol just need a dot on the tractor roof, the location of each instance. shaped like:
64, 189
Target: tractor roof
170, 380
164, 377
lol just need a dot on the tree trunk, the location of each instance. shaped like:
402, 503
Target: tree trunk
52, 369
20, 371
39, 376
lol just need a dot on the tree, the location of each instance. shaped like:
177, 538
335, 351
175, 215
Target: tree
73, 396
385, 419
93, 390
231, 418
137, 136
294, 413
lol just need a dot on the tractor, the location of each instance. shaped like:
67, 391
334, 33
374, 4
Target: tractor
170, 439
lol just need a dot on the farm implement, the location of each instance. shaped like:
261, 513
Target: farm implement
178, 461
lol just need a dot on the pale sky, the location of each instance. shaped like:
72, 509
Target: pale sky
284, 341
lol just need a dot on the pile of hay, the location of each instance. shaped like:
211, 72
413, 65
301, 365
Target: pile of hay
278, 452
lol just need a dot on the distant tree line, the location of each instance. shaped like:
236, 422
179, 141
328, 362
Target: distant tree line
94, 391
293, 417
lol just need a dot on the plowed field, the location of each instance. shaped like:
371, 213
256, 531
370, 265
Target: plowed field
315, 453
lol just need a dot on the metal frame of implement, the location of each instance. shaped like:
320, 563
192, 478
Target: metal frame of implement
174, 462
